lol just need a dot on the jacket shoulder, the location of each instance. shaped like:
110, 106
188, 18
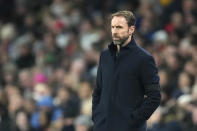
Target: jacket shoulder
142, 53
103, 55
104, 52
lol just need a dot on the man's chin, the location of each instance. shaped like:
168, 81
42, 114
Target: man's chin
117, 43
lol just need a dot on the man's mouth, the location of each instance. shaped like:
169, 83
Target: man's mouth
116, 38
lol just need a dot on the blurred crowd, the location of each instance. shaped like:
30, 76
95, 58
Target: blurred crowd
49, 51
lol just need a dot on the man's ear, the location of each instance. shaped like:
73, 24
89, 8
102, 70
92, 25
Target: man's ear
131, 29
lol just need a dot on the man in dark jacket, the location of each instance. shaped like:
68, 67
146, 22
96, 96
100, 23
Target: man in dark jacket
127, 90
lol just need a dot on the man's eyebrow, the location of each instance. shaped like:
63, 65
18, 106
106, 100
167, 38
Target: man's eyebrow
118, 26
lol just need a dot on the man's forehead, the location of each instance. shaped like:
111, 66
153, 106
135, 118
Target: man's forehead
120, 20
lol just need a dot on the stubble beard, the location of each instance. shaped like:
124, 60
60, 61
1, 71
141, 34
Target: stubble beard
121, 41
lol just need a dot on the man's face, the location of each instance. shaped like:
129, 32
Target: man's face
120, 30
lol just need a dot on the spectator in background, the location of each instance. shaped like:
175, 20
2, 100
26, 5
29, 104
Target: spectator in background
68, 103
83, 123
26, 58
85, 94
165, 121
185, 81
5, 123
22, 121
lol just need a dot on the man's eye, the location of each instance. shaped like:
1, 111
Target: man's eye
117, 27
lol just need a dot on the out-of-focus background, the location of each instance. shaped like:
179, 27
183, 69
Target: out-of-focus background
49, 51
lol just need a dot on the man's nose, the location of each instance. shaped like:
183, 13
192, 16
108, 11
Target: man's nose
115, 30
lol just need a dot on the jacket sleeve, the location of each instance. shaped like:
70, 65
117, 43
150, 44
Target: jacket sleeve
150, 81
97, 90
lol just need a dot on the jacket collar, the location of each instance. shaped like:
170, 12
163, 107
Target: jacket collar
132, 43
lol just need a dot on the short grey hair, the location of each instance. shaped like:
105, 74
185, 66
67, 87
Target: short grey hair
129, 16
